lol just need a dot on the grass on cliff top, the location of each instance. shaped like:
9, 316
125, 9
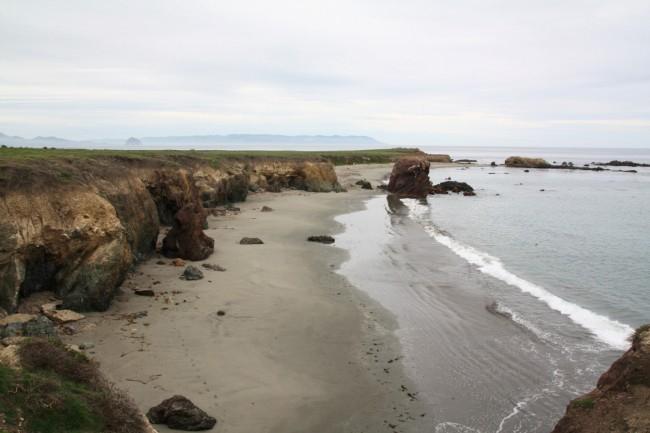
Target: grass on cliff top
337, 157
58, 390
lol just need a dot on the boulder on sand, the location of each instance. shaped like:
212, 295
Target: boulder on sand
192, 273
323, 239
251, 241
186, 239
410, 178
180, 413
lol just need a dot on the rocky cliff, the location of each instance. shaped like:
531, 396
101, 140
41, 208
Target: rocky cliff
621, 401
76, 225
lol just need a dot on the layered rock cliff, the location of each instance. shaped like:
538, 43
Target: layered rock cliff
621, 401
75, 226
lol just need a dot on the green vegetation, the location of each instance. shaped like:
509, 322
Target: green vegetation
58, 390
584, 403
335, 156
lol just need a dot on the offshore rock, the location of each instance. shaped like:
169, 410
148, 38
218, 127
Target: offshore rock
410, 178
524, 162
452, 186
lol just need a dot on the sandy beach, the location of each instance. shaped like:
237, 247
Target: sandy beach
298, 348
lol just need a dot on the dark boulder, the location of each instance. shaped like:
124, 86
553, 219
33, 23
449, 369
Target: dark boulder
364, 184
266, 209
452, 186
323, 239
192, 273
180, 413
410, 178
251, 241
186, 239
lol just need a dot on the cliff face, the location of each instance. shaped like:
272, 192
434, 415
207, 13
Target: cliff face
621, 400
76, 226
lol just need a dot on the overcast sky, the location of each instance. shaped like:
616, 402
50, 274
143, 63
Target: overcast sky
407, 72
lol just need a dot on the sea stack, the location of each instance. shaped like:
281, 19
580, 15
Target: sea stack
410, 178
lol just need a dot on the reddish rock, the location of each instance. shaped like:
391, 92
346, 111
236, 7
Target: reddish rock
410, 178
186, 239
619, 403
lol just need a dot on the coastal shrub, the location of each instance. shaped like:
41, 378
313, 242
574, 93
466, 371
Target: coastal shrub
59, 390
53, 356
584, 403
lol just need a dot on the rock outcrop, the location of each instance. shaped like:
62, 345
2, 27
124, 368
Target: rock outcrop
410, 178
186, 239
617, 163
620, 402
452, 186
524, 162
75, 226
275, 175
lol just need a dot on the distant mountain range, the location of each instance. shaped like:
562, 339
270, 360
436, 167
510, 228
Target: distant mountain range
198, 141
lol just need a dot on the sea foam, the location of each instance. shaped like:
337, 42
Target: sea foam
609, 331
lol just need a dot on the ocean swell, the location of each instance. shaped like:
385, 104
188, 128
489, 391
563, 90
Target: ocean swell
609, 331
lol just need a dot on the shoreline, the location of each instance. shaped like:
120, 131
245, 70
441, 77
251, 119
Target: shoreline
298, 349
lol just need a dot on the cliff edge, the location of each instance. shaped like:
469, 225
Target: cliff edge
74, 224
621, 400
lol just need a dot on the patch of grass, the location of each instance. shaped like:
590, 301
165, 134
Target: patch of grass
584, 403
58, 390
335, 156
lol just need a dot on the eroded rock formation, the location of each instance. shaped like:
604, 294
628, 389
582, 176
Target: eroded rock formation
75, 226
410, 178
186, 239
621, 398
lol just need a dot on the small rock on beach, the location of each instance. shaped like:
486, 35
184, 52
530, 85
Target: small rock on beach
251, 241
323, 239
192, 273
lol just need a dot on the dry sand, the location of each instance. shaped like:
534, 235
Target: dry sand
298, 349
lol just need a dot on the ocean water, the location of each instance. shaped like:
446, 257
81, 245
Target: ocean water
513, 302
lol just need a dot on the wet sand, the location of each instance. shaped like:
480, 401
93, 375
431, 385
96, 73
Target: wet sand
298, 348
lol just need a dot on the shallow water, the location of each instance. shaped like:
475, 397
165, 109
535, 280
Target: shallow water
509, 305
